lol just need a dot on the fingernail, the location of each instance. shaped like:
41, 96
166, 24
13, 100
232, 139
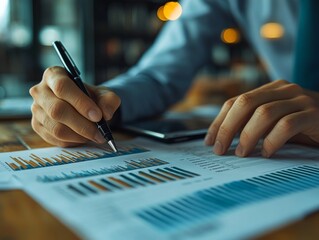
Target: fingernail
240, 151
208, 139
218, 148
94, 116
99, 138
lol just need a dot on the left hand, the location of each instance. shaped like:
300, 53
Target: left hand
276, 112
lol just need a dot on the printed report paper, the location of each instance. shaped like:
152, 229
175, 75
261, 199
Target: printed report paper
179, 191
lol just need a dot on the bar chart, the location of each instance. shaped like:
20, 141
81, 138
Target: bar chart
127, 181
216, 200
128, 165
69, 156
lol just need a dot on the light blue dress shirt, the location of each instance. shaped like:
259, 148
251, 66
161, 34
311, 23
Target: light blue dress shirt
167, 69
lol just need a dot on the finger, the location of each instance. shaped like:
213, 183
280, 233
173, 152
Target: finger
42, 131
59, 131
108, 102
242, 110
57, 110
64, 88
213, 128
261, 122
286, 128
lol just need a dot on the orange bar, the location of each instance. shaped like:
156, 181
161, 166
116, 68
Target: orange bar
33, 164
12, 166
98, 186
82, 154
151, 177
135, 164
20, 163
121, 182
94, 154
163, 176
38, 159
158, 160
49, 160
56, 159
70, 153
68, 158
40, 163
65, 159
170, 174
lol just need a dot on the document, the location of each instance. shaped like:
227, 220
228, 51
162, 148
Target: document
151, 190
8, 182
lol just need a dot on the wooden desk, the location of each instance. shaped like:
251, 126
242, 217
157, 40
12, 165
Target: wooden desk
22, 218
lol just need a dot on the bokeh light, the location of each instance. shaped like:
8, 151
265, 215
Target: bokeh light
170, 11
161, 15
230, 36
272, 30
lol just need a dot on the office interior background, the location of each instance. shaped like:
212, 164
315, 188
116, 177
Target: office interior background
105, 38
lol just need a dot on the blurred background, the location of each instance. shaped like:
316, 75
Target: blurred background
105, 38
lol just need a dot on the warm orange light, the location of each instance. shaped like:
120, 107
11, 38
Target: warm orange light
230, 36
160, 14
172, 10
272, 30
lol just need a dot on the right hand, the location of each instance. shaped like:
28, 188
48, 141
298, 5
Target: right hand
65, 116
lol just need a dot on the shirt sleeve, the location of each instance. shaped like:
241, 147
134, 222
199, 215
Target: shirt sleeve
166, 70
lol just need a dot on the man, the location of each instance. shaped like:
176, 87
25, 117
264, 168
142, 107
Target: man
276, 112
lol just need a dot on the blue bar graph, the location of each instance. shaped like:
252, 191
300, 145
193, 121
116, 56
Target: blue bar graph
216, 200
126, 181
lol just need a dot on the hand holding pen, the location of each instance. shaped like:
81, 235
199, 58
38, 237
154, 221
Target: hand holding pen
64, 115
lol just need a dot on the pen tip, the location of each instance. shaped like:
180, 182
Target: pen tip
112, 145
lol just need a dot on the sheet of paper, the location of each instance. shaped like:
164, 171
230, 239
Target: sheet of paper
8, 182
156, 191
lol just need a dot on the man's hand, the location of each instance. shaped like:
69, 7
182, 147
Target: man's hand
277, 112
63, 115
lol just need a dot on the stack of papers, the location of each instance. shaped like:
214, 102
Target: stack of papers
157, 191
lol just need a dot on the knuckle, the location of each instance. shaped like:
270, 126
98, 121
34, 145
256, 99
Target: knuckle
34, 108
223, 131
244, 100
79, 104
35, 125
268, 144
58, 131
51, 70
57, 86
117, 100
46, 122
86, 131
264, 112
307, 100
56, 110
244, 138
292, 87
33, 91
229, 103
286, 125
281, 81
212, 128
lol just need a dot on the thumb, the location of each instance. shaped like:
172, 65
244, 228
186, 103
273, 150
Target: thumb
107, 101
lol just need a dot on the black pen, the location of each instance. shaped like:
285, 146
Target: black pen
74, 74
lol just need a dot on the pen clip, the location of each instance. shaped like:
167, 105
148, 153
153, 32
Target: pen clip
66, 59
